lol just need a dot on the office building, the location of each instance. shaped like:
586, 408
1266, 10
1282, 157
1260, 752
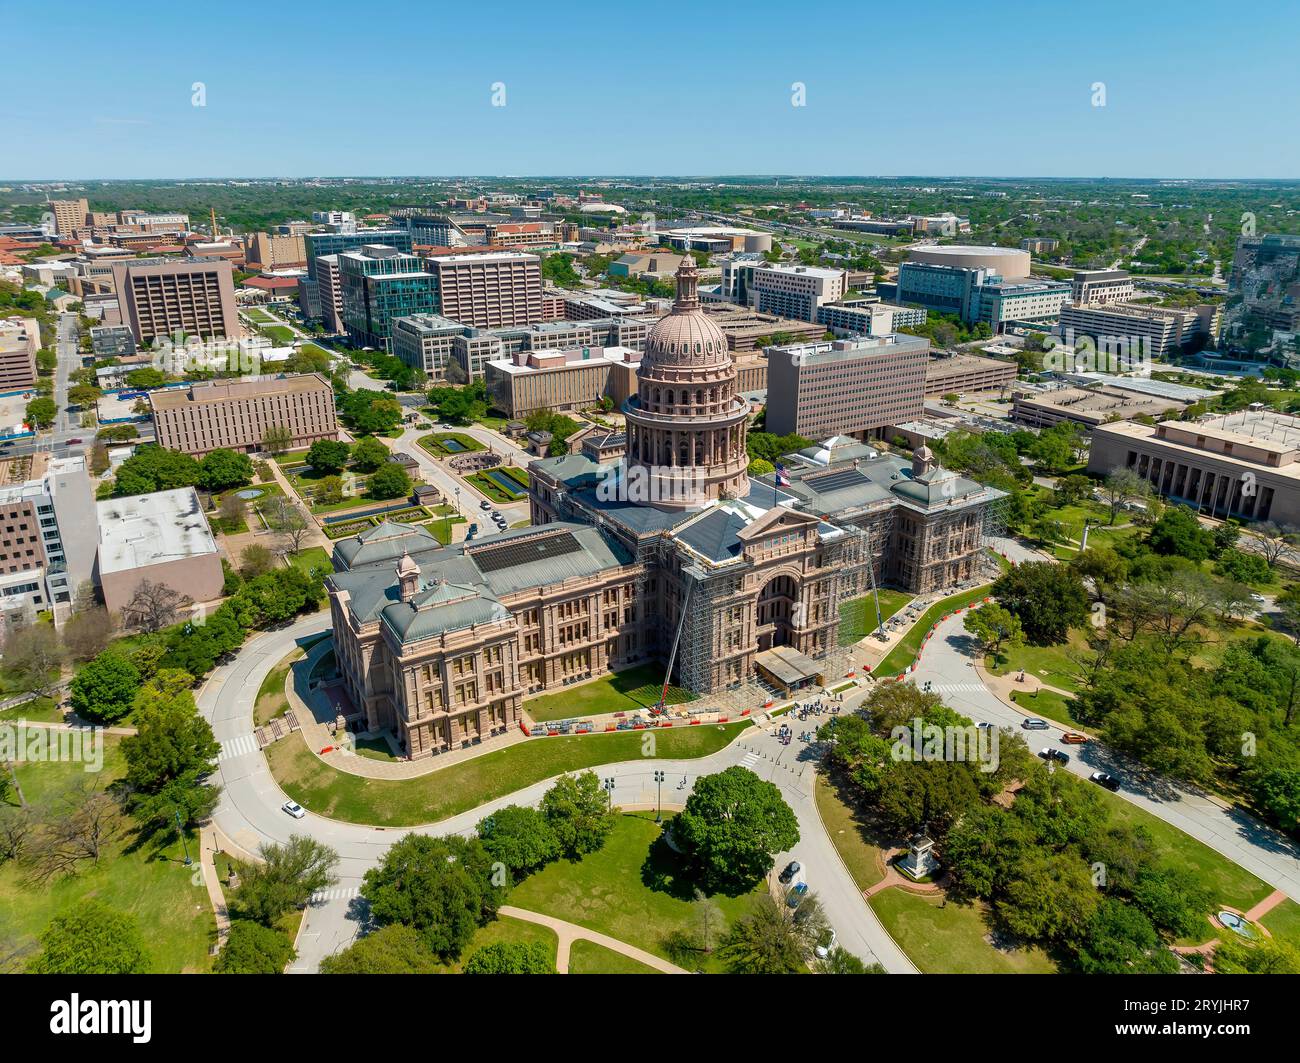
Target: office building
490, 290
863, 318
236, 413
1088, 406
20, 339
850, 387
194, 297
560, 380
380, 284
1040, 245
794, 291
1133, 330
988, 284
112, 341
47, 542
161, 538
340, 221
335, 243
267, 251
1242, 465
1266, 278
1099, 286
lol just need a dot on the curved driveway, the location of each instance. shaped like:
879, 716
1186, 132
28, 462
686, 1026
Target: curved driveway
249, 811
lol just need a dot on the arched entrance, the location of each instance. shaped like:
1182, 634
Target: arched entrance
777, 602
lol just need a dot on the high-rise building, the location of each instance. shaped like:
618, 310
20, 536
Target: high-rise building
69, 215
329, 293
269, 251
236, 414
850, 387
380, 284
195, 297
335, 243
1266, 278
490, 290
974, 283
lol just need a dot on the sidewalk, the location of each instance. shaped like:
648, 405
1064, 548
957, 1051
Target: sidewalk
568, 933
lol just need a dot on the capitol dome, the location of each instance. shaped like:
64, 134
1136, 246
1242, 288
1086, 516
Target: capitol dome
687, 337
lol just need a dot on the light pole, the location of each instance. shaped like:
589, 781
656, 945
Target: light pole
180, 829
609, 792
659, 811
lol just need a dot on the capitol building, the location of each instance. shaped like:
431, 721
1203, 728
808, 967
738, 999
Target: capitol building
667, 552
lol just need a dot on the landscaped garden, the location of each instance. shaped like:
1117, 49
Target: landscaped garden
626, 691
503, 485
445, 444
467, 784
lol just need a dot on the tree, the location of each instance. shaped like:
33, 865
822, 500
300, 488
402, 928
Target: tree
577, 810
995, 627
841, 961
731, 828
287, 519
223, 469
152, 468
91, 938
153, 606
329, 490
1047, 598
328, 456
1049, 898
103, 691
1288, 604
1123, 485
1261, 957
443, 888
766, 941
253, 949
393, 949
171, 738
83, 395
391, 481
41, 412
510, 957
32, 657
232, 512
277, 439
369, 454
520, 838
925, 795
1178, 532
286, 878
1274, 541
1119, 939
255, 560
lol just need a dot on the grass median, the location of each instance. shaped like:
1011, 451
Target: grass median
446, 792
903, 654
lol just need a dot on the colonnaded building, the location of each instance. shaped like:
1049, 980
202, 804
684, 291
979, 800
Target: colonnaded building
668, 552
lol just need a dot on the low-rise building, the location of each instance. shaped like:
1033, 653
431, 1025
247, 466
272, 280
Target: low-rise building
1087, 407
1139, 329
236, 414
955, 373
559, 380
162, 538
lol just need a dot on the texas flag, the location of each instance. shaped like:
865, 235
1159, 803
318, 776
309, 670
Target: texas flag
782, 480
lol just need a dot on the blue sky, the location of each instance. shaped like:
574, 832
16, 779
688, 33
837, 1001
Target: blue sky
1193, 89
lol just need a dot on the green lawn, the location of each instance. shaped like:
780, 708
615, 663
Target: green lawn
849, 832
586, 957
858, 615
280, 334
634, 889
1283, 922
261, 317
441, 528
429, 798
271, 698
1045, 703
143, 878
312, 557
951, 938
904, 653
38, 710
505, 930
374, 749
434, 444
625, 691
1051, 664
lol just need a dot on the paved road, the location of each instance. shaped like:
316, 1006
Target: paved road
947, 663
249, 810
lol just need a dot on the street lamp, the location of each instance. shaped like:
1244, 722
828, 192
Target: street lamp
609, 792
180, 829
659, 811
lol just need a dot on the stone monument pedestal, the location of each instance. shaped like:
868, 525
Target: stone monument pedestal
920, 862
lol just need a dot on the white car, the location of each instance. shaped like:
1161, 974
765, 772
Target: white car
294, 809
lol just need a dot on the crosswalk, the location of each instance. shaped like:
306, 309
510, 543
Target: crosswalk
237, 747
339, 893
957, 688
751, 758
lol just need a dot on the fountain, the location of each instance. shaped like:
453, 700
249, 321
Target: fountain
1237, 924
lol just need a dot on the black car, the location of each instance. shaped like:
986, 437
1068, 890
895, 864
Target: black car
1054, 754
1102, 779
791, 869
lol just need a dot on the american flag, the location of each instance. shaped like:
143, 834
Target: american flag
782, 480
